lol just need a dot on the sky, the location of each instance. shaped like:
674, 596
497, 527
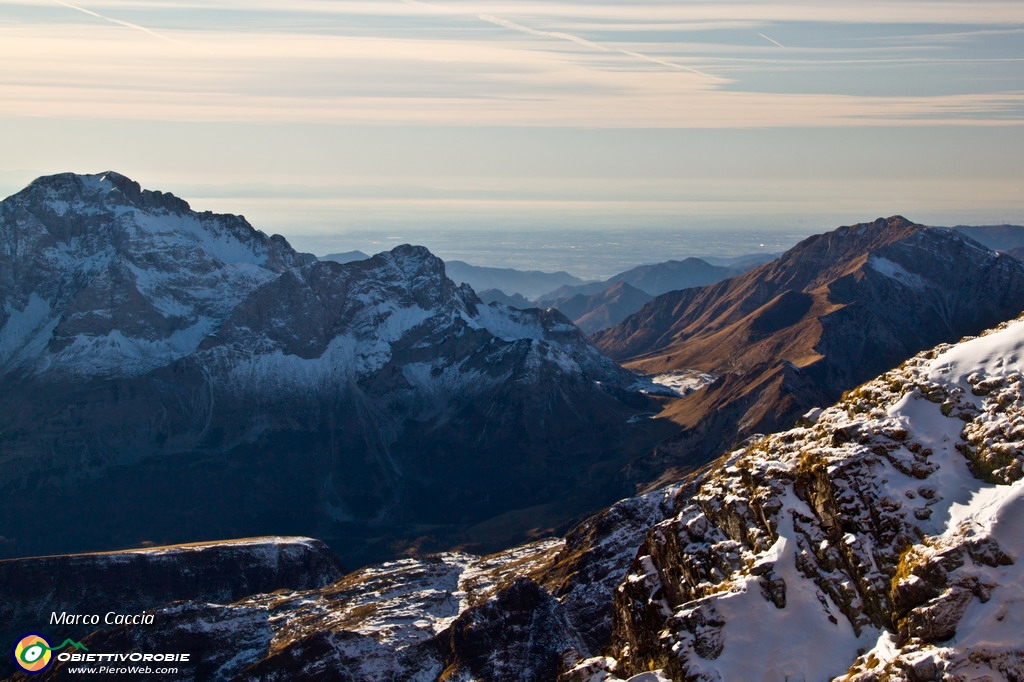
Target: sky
327, 121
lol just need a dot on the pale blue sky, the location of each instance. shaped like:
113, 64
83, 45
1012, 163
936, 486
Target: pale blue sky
317, 118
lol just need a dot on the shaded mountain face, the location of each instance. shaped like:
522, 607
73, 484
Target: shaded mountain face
830, 313
172, 376
604, 309
998, 237
880, 539
99, 277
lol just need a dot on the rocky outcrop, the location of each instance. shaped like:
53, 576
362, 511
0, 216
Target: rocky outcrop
49, 594
872, 528
525, 613
441, 617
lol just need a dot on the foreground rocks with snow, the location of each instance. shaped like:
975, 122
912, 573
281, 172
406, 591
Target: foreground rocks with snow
879, 540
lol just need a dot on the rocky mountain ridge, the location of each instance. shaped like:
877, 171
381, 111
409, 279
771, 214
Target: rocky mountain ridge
879, 540
830, 313
373, 403
101, 277
886, 525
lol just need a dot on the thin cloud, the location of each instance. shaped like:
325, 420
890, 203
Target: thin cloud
560, 35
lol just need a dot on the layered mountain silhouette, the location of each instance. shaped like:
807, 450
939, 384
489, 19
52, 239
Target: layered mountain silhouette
833, 311
176, 376
605, 308
599, 305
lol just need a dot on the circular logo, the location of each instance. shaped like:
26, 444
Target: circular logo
32, 653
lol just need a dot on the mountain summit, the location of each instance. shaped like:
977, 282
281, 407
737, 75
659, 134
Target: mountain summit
99, 277
171, 375
833, 311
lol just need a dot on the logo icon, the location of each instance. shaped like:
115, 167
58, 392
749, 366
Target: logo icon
33, 653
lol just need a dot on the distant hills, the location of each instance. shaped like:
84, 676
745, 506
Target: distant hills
345, 257
528, 283
1004, 238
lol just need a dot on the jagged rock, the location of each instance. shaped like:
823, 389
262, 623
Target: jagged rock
815, 530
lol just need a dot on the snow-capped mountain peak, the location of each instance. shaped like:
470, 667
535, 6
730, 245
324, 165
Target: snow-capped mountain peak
102, 277
160, 334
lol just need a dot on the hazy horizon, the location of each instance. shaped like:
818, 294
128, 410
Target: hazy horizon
325, 120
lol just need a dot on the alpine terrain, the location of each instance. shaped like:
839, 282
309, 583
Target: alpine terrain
173, 376
830, 313
879, 540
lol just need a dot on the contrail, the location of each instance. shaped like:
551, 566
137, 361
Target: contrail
558, 35
126, 24
771, 40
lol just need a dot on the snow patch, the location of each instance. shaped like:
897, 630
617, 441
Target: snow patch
893, 270
996, 354
508, 324
762, 641
676, 383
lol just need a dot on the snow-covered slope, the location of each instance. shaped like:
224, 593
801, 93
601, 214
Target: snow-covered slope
143, 345
881, 541
100, 277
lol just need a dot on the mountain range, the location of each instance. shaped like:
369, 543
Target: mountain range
592, 306
878, 540
174, 376
171, 376
830, 313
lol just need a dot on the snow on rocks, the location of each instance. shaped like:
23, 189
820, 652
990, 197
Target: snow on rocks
890, 525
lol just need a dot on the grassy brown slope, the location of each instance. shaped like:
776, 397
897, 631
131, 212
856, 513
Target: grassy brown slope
829, 314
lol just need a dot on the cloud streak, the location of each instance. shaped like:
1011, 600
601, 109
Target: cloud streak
118, 22
558, 35
771, 40
445, 68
